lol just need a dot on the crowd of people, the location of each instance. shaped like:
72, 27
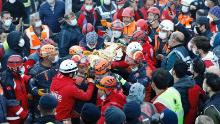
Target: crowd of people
110, 62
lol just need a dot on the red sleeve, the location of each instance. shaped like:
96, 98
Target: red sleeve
80, 20
160, 107
0, 5
19, 111
80, 94
120, 64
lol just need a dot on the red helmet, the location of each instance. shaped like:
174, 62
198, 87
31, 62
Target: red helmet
88, 27
142, 24
128, 12
153, 10
139, 36
120, 2
117, 25
14, 61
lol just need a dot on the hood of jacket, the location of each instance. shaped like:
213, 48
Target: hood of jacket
185, 82
13, 40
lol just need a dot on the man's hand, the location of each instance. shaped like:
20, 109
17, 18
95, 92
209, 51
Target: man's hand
159, 57
41, 92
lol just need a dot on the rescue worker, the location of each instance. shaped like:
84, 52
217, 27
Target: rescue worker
88, 27
137, 13
120, 7
116, 33
87, 14
6, 23
69, 35
161, 40
14, 84
63, 87
128, 19
36, 32
202, 27
177, 51
153, 17
107, 90
41, 75
143, 25
106, 11
185, 16
146, 6
166, 97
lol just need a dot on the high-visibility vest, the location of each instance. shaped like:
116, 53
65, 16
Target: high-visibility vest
186, 20
172, 100
130, 29
157, 45
106, 14
27, 3
34, 40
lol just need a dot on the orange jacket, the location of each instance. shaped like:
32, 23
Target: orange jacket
129, 30
34, 39
186, 20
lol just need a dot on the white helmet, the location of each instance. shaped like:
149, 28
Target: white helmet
132, 47
186, 2
68, 66
167, 25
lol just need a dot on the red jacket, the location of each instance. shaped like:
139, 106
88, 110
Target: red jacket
118, 15
144, 12
65, 90
148, 52
17, 111
116, 98
82, 17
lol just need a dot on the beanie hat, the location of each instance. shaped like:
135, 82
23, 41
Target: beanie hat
136, 93
169, 117
91, 37
202, 20
114, 115
48, 102
90, 113
215, 11
13, 39
132, 111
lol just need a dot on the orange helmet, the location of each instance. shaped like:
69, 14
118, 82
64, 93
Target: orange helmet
142, 24
47, 50
153, 10
117, 25
139, 35
88, 27
76, 50
107, 83
102, 66
128, 12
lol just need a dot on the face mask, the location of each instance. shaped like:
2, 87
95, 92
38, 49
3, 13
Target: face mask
107, 2
8, 22
206, 4
91, 46
185, 9
120, 6
38, 24
21, 70
73, 22
88, 7
194, 50
21, 43
103, 97
210, 18
116, 34
56, 58
162, 35
12, 1
196, 30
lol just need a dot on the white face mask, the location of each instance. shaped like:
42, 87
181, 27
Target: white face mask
206, 3
12, 1
195, 31
120, 6
91, 46
73, 22
8, 22
116, 34
185, 9
88, 7
55, 59
103, 97
107, 2
38, 23
21, 43
210, 18
51, 1
162, 35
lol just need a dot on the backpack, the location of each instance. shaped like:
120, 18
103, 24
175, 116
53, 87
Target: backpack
3, 109
195, 95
